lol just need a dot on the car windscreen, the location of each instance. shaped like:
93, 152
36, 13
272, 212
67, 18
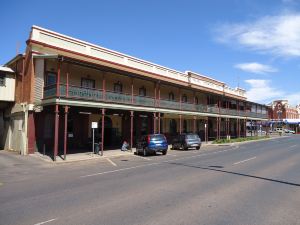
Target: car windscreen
157, 137
192, 136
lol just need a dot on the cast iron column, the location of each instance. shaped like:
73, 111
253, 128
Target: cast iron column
65, 132
56, 124
102, 131
131, 130
159, 122
180, 124
154, 123
194, 124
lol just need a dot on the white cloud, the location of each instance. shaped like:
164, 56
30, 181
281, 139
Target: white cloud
294, 99
255, 67
276, 35
262, 91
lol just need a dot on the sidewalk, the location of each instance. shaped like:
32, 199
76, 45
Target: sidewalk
83, 156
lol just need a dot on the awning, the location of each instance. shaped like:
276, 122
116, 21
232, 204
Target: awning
291, 121
6, 69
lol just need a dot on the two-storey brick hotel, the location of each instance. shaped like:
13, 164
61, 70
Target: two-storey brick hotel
64, 84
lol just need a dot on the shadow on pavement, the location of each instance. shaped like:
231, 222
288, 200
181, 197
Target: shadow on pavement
235, 173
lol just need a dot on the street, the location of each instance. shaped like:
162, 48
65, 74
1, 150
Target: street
243, 184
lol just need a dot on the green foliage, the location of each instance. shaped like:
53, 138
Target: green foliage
233, 140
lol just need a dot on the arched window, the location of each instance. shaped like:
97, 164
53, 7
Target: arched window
184, 98
118, 87
196, 100
171, 96
142, 91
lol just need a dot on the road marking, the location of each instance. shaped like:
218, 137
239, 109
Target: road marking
244, 160
109, 160
48, 221
113, 171
1, 184
145, 158
293, 146
158, 163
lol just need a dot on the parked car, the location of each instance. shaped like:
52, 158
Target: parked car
289, 131
152, 143
186, 141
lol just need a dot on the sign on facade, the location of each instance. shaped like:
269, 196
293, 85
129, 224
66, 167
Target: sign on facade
94, 125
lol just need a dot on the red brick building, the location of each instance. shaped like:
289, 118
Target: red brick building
284, 115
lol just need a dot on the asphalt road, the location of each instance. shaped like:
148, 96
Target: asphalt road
247, 184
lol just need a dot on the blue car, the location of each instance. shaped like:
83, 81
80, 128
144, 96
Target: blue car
152, 143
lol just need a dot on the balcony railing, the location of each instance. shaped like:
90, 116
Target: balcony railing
91, 94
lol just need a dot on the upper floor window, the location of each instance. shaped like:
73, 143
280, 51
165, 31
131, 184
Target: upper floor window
196, 100
171, 96
118, 87
184, 98
50, 78
87, 83
2, 79
142, 91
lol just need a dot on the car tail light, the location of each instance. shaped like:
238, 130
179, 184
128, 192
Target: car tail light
148, 139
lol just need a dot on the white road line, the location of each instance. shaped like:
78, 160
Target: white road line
244, 160
293, 146
113, 171
48, 221
151, 164
109, 160
142, 157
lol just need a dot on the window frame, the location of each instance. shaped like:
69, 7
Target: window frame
2, 79
184, 98
47, 79
144, 90
173, 96
120, 86
89, 80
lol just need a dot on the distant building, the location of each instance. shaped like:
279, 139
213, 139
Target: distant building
7, 98
283, 114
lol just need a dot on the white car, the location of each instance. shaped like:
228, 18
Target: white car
289, 131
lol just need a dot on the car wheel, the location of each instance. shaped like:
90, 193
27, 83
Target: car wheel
144, 152
198, 148
164, 152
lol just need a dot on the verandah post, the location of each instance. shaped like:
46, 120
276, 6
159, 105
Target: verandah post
102, 131
131, 129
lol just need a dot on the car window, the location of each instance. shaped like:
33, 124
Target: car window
192, 136
157, 137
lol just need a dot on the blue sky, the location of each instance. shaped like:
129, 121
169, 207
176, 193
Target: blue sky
253, 43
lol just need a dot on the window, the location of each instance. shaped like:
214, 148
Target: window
171, 96
118, 87
87, 83
184, 98
142, 91
196, 100
2, 79
50, 78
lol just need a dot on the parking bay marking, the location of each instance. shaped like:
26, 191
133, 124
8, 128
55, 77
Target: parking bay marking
246, 160
47, 221
109, 160
158, 163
